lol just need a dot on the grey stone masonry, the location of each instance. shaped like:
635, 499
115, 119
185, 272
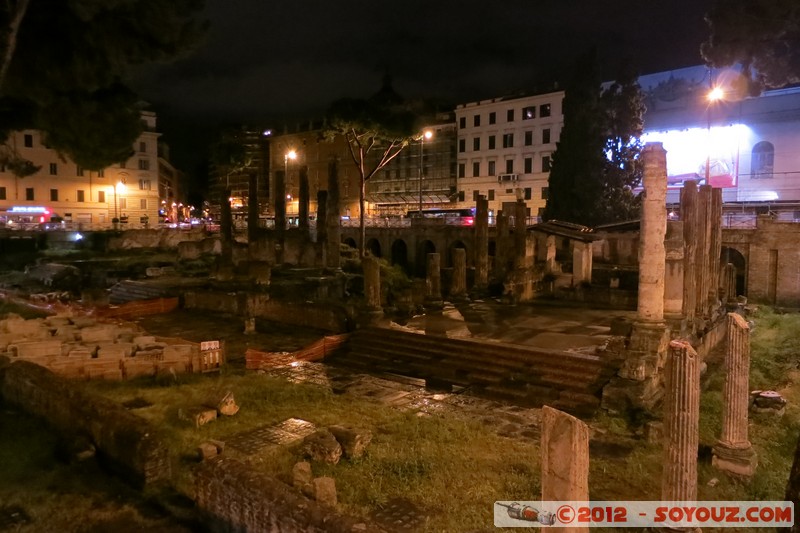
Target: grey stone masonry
652, 254
482, 242
459, 284
565, 459
520, 234
681, 416
703, 283
733, 452
729, 283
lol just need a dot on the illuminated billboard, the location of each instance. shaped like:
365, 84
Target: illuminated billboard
690, 150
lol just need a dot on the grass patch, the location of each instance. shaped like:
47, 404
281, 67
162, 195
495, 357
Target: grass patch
437, 463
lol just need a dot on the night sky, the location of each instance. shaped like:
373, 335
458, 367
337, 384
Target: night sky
270, 61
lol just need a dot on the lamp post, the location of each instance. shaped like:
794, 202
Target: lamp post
425, 135
119, 188
714, 95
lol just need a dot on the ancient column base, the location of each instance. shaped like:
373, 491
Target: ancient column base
433, 303
368, 317
736, 461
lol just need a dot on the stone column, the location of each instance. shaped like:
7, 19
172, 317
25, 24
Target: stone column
716, 247
551, 253
652, 255
501, 254
581, 262
303, 200
691, 223
681, 416
673, 277
733, 452
333, 218
433, 281
459, 285
322, 226
703, 251
520, 234
729, 283
372, 282
565, 459
280, 203
482, 242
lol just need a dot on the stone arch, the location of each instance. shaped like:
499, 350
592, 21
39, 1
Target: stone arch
400, 253
451, 254
424, 248
737, 259
351, 242
374, 247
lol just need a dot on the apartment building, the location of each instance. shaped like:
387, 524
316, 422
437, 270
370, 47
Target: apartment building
504, 149
62, 190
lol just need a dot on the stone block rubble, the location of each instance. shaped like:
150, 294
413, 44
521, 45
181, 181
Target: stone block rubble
86, 348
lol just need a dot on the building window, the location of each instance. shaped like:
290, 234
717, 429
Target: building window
491, 142
101, 197
462, 145
142, 146
492, 117
143, 203
509, 166
763, 160
53, 195
144, 185
528, 165
123, 203
2, 193
545, 193
81, 196
492, 170
102, 173
527, 193
462, 170
53, 169
528, 112
28, 140
79, 170
528, 138
476, 120
144, 164
546, 136
476, 169
462, 122
491, 194
476, 143
510, 115
508, 140
29, 196
544, 110
545, 163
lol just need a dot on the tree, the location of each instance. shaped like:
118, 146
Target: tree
62, 63
762, 35
376, 130
596, 163
229, 156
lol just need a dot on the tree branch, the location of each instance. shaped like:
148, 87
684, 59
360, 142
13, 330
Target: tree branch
11, 41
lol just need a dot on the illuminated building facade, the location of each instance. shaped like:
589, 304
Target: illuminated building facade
504, 149
62, 190
748, 144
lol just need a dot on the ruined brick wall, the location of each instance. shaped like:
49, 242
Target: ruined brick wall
125, 439
234, 499
772, 253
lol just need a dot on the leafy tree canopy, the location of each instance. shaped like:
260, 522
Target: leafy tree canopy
762, 35
62, 58
596, 163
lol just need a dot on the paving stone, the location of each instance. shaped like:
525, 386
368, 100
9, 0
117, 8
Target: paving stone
255, 440
399, 514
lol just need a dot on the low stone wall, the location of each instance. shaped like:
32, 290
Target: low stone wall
234, 499
126, 440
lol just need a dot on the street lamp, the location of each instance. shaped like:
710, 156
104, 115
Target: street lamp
427, 134
714, 95
119, 188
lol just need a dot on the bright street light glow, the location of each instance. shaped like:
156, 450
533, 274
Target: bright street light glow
120, 187
291, 154
428, 134
715, 94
